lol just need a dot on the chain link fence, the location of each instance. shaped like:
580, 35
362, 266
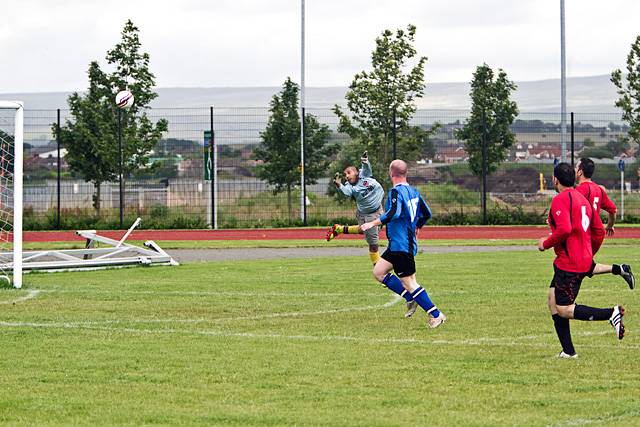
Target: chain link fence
173, 193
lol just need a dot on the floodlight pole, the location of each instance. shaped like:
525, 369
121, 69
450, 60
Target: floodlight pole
563, 86
303, 195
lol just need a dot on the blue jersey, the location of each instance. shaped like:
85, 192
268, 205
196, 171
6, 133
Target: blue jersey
405, 211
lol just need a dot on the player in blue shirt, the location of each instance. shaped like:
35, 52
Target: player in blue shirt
368, 193
405, 211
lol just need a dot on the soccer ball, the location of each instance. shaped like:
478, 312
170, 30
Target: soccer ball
124, 99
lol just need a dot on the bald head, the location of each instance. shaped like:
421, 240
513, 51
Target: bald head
398, 169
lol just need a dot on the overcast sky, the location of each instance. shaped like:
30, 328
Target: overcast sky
46, 45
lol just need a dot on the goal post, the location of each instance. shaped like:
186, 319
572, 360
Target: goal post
11, 157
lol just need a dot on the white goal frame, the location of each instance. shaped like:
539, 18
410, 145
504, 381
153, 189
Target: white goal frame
18, 138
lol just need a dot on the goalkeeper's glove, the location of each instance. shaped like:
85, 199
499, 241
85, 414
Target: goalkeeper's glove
365, 157
337, 180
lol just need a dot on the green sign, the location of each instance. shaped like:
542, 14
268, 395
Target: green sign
206, 156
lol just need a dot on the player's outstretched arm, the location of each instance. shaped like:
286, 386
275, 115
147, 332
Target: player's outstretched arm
610, 207
597, 233
346, 190
366, 171
367, 225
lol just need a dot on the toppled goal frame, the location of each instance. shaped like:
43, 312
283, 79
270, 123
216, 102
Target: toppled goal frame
13, 260
114, 254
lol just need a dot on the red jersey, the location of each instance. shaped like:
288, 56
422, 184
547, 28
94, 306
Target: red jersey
597, 197
576, 233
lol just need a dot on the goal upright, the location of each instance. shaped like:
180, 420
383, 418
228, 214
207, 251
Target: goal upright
11, 157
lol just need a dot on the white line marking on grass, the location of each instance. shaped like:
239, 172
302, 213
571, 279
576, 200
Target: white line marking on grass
30, 295
216, 293
394, 301
483, 341
236, 293
598, 420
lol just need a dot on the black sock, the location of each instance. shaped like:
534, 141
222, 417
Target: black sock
616, 269
564, 333
583, 312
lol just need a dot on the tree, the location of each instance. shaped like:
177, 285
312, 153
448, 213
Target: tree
91, 136
374, 98
493, 108
628, 88
279, 148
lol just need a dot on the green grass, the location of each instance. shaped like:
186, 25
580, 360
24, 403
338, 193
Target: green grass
309, 342
294, 243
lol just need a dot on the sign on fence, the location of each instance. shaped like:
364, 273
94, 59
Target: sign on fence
206, 155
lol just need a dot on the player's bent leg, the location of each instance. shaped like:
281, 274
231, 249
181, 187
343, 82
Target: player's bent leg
551, 301
617, 322
382, 273
566, 311
600, 269
627, 275
371, 236
561, 325
352, 229
622, 270
374, 256
381, 269
333, 232
421, 297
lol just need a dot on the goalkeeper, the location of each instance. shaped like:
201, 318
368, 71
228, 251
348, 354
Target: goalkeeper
368, 193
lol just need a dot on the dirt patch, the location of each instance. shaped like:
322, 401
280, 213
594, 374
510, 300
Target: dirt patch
522, 180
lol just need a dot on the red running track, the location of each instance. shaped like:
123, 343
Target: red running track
445, 232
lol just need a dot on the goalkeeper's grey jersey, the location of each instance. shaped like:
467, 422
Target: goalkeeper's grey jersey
367, 192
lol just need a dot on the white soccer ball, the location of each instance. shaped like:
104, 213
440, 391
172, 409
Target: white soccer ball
124, 99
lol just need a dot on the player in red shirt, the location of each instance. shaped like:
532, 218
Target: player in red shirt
598, 199
576, 233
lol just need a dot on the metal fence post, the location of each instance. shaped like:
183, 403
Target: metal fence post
58, 175
304, 174
572, 142
484, 168
394, 136
212, 154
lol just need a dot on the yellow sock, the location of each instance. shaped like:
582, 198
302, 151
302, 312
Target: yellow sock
352, 229
375, 256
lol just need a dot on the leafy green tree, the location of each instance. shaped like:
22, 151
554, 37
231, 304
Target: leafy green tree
91, 136
375, 97
491, 103
628, 88
279, 148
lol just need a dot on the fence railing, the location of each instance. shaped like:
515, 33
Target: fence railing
173, 191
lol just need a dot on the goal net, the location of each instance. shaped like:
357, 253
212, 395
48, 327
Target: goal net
11, 143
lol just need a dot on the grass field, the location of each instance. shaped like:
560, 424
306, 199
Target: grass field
313, 342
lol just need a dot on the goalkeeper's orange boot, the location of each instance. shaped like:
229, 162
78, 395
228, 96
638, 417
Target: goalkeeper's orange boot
333, 231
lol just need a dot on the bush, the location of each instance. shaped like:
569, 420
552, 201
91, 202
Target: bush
495, 216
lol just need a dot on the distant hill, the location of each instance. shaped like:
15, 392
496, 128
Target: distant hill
594, 94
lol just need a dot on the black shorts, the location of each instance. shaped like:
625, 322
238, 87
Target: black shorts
403, 263
567, 285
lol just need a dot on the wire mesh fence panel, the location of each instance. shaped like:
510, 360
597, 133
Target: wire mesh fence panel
172, 191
